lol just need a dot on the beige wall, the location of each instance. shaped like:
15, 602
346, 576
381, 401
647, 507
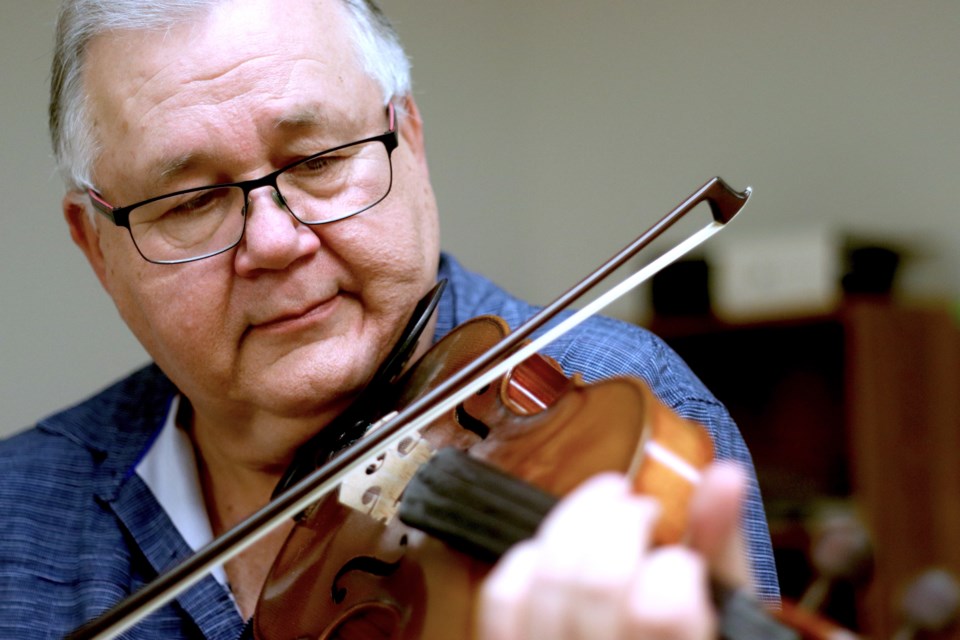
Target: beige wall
556, 131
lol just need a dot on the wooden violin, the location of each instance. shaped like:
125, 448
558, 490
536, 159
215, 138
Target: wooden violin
350, 569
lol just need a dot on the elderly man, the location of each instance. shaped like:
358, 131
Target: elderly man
248, 181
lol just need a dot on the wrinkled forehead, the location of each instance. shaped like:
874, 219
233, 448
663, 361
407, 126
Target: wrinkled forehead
241, 63
220, 42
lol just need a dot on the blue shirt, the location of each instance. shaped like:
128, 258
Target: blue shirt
80, 529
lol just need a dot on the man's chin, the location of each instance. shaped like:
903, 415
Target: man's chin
311, 381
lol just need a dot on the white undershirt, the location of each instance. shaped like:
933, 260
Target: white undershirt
169, 469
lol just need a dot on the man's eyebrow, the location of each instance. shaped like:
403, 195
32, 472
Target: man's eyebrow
302, 119
168, 169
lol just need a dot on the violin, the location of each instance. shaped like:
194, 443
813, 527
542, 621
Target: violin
401, 550
350, 568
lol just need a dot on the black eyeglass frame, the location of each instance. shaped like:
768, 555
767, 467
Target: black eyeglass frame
120, 216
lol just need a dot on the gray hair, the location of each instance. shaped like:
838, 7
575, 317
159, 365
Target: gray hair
75, 147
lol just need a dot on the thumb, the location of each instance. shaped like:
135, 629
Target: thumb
715, 522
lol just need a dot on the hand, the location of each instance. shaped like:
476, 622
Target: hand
590, 571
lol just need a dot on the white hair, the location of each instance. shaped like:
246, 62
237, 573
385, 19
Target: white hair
74, 145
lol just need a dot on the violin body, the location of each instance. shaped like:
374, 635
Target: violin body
354, 571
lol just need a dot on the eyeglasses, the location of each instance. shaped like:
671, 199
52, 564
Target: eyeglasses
198, 223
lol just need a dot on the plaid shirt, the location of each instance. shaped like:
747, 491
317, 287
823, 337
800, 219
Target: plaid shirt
80, 530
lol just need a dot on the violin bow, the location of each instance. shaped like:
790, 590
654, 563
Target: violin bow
724, 202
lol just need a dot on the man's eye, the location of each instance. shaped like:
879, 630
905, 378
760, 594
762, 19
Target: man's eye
198, 202
321, 163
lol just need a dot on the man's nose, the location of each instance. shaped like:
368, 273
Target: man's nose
274, 238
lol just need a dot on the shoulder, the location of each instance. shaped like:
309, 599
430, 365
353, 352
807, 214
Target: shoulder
604, 347
49, 506
122, 410
100, 435
47, 497
470, 294
599, 348
63, 554
34, 461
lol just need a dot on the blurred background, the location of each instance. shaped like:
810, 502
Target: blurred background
825, 317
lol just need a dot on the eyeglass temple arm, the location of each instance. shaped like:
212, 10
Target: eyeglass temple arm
101, 205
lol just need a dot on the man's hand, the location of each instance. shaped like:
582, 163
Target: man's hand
590, 571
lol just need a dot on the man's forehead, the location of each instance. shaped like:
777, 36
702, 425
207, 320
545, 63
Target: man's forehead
219, 54
173, 96
313, 120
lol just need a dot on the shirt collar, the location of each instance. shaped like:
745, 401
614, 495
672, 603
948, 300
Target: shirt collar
169, 469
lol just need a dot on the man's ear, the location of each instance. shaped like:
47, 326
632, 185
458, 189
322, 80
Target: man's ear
411, 130
84, 232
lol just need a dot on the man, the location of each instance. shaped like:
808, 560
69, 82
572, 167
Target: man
267, 305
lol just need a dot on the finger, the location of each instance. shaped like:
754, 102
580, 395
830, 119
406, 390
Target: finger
592, 550
502, 606
669, 600
715, 522
522, 597
602, 510
590, 544
570, 581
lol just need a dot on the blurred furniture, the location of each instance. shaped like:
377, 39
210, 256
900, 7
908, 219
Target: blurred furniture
859, 407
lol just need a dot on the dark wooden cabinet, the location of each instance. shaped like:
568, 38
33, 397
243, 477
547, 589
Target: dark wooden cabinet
860, 408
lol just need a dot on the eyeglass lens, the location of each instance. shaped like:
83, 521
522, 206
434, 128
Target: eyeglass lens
320, 189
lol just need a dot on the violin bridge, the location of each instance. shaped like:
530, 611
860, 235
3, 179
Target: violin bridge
376, 487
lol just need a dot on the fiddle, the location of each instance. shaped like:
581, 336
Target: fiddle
358, 566
391, 431
350, 569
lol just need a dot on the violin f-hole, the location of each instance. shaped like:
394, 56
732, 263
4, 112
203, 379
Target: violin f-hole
363, 564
